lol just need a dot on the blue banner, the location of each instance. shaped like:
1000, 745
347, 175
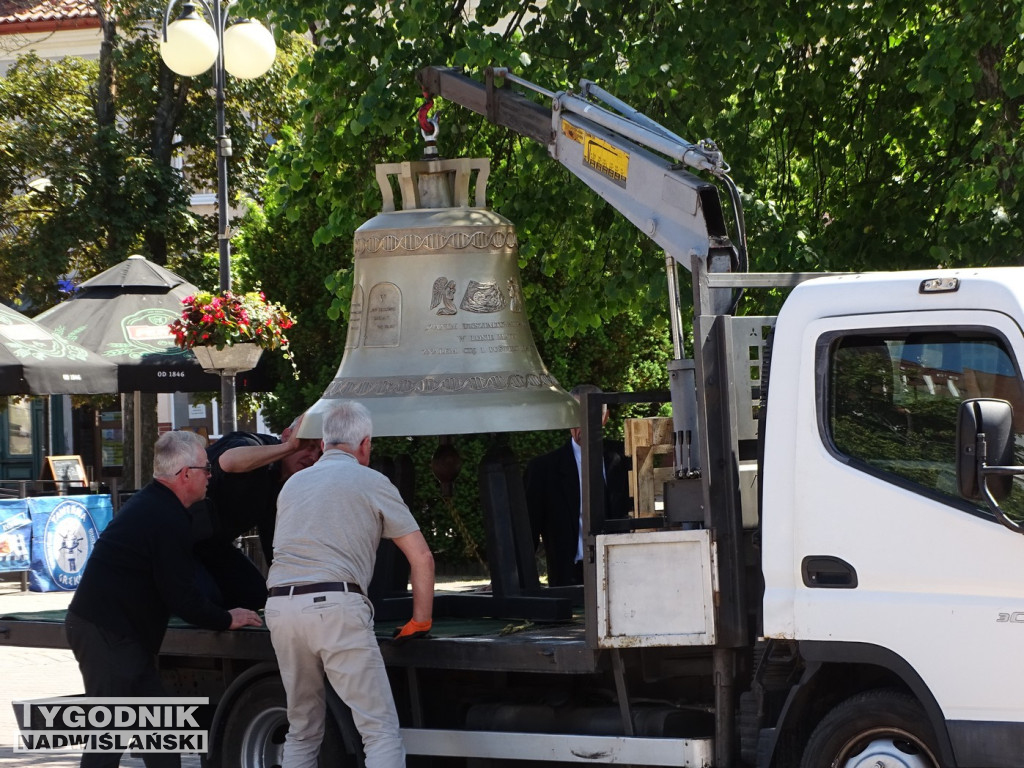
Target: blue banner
64, 532
15, 535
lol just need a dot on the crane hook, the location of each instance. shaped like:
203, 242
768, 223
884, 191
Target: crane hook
428, 124
430, 135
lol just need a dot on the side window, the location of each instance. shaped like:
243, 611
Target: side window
893, 399
19, 432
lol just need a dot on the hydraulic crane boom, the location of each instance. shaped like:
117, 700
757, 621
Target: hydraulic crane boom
637, 166
630, 160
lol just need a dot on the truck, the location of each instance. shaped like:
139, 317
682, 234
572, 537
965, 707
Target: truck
833, 574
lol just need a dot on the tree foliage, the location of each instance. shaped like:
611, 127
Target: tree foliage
37, 182
863, 136
86, 172
86, 149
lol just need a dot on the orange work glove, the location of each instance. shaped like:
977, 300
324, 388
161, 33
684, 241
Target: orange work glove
412, 629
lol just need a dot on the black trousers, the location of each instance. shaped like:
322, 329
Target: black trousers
114, 666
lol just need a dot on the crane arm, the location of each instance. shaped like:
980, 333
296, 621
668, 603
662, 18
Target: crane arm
631, 161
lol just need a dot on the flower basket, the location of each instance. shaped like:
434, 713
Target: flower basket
230, 359
229, 331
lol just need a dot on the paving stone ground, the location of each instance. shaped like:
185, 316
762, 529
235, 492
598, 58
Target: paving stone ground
35, 673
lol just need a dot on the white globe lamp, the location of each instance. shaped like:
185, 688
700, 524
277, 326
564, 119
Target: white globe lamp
249, 49
191, 45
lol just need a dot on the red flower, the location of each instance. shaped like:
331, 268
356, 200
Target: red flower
230, 318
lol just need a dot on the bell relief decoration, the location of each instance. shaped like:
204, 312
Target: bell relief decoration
480, 297
444, 293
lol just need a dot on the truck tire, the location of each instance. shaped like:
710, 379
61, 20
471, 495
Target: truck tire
883, 727
256, 726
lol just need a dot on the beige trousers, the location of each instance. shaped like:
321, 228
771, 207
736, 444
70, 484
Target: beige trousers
331, 633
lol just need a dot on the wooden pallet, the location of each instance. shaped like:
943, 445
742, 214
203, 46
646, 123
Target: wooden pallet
649, 442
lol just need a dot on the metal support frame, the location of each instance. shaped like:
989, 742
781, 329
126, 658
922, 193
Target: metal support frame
622, 692
515, 587
415, 700
506, 524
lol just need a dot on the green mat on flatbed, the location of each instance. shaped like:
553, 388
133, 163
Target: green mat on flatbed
443, 627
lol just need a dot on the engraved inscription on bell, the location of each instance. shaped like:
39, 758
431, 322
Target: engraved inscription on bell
383, 316
472, 337
494, 337
355, 318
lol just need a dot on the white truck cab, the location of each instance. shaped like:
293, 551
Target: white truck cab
868, 548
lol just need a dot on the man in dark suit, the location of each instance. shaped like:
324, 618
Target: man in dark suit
554, 499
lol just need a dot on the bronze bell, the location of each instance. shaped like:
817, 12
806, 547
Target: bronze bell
438, 338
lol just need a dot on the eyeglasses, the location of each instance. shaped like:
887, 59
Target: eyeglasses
206, 468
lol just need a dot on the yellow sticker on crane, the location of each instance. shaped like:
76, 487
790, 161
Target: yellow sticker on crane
573, 132
606, 159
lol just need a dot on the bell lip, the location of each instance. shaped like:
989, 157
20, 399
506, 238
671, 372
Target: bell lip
456, 414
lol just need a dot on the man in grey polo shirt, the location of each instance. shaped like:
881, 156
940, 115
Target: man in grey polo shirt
330, 520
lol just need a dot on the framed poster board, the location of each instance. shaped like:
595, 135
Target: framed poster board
111, 440
67, 469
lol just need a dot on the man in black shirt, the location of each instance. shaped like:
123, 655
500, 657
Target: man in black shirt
248, 472
140, 573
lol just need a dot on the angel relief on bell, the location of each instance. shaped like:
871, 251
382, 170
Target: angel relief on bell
515, 300
443, 296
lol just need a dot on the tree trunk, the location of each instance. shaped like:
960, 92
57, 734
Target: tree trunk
169, 106
148, 430
106, 111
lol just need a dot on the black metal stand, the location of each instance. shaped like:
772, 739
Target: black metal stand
516, 592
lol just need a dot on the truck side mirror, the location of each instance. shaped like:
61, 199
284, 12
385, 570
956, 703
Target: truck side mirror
985, 450
984, 436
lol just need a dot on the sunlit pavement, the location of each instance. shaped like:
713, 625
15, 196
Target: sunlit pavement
36, 673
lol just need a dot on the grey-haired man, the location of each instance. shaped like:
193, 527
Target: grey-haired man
140, 573
330, 520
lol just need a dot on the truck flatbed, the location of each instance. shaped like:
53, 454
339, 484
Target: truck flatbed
455, 643
486, 645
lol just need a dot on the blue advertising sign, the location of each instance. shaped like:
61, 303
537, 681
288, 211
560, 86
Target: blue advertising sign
15, 535
64, 532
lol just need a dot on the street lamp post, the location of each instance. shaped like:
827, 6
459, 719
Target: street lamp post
189, 46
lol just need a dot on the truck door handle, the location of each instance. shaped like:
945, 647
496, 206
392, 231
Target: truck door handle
827, 572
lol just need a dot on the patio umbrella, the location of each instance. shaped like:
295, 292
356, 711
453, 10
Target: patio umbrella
123, 314
34, 361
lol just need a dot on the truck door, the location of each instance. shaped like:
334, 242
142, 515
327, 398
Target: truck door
885, 553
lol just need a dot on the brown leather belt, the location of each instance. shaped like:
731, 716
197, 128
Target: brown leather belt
305, 589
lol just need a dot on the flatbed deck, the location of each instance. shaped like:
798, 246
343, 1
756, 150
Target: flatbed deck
455, 643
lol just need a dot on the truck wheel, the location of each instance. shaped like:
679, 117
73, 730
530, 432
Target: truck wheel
883, 728
255, 729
